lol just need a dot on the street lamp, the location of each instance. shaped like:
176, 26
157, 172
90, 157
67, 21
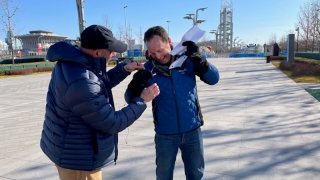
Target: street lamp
125, 23
194, 17
80, 9
199, 9
297, 29
190, 16
199, 21
215, 32
168, 26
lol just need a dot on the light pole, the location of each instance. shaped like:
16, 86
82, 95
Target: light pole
125, 23
168, 27
215, 32
297, 39
234, 43
194, 17
190, 16
199, 9
80, 15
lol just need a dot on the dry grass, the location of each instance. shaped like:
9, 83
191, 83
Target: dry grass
307, 79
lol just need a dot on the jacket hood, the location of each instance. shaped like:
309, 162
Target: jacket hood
67, 51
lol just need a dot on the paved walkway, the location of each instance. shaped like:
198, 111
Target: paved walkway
258, 125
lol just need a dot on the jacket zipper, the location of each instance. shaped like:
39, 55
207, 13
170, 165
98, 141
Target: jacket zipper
176, 103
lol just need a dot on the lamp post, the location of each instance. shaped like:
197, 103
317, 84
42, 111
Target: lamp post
190, 16
194, 17
80, 15
168, 27
215, 32
297, 48
199, 9
125, 23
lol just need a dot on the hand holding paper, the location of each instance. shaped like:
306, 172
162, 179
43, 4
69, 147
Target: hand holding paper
194, 34
192, 48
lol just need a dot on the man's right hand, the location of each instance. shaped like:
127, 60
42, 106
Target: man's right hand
149, 93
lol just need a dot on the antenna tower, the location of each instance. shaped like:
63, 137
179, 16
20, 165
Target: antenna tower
225, 28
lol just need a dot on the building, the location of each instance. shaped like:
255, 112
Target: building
37, 42
3, 46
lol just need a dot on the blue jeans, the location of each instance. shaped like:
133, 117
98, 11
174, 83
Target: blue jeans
191, 147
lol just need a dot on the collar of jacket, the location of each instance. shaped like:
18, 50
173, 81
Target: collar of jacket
163, 68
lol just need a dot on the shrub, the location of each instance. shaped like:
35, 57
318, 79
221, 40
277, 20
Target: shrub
286, 66
42, 69
306, 69
23, 60
301, 68
20, 72
25, 71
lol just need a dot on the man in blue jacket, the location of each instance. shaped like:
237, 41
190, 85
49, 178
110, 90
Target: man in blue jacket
81, 124
176, 111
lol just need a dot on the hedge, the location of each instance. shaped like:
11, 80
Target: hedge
308, 55
23, 60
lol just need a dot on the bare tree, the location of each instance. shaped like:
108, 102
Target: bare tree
139, 36
282, 42
273, 38
316, 24
305, 24
8, 11
120, 33
308, 23
129, 37
108, 24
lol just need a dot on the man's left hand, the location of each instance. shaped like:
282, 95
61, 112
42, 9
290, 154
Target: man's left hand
192, 48
132, 66
201, 65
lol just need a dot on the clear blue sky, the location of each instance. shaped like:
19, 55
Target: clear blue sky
254, 20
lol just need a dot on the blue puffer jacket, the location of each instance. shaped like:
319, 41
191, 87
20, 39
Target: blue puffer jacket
176, 109
81, 125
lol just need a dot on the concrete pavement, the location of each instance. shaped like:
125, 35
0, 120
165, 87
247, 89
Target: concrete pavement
258, 125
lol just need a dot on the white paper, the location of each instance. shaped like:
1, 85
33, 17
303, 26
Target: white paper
194, 34
178, 62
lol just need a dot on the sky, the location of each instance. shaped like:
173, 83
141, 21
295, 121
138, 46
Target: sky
254, 21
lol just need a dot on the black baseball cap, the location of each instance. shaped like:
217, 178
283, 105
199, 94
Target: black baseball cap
100, 37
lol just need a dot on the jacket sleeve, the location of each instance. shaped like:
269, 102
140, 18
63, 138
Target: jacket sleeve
211, 76
86, 100
137, 84
207, 72
117, 74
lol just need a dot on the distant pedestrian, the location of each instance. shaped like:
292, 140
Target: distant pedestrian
276, 49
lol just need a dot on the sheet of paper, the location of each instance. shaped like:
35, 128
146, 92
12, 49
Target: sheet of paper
193, 34
178, 62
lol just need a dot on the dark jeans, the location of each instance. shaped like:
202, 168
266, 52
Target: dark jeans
191, 147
